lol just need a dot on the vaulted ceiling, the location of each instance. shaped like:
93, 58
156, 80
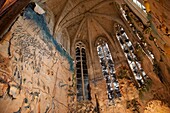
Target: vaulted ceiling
85, 19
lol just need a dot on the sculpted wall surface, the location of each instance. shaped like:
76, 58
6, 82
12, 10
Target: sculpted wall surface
35, 72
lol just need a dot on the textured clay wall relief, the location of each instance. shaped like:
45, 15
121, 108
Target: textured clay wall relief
30, 77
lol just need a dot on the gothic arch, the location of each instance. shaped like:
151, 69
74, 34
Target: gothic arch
85, 44
64, 40
108, 68
82, 72
115, 30
99, 39
87, 55
108, 40
68, 42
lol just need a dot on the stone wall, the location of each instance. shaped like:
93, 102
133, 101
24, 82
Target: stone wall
35, 72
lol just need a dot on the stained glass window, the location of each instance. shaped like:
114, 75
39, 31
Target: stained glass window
108, 70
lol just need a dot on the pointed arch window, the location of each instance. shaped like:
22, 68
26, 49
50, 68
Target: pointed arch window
128, 49
83, 92
108, 69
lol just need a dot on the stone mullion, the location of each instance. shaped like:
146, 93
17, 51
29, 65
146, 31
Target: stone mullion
82, 75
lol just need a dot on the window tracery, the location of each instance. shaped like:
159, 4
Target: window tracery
108, 69
83, 92
139, 29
